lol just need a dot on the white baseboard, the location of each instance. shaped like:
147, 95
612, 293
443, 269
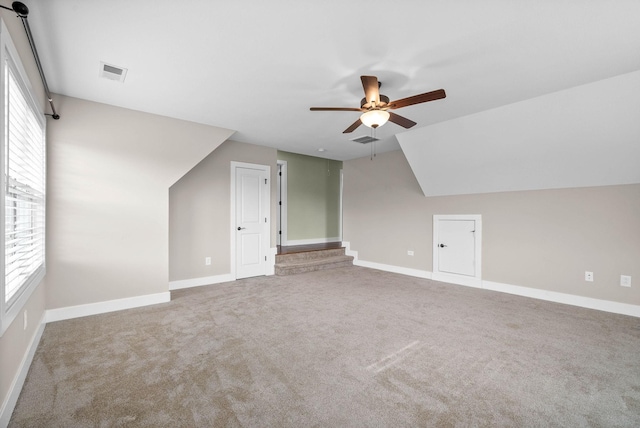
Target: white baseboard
198, 282
457, 279
380, 266
18, 381
395, 269
348, 251
70, 312
567, 299
227, 277
310, 241
534, 293
271, 261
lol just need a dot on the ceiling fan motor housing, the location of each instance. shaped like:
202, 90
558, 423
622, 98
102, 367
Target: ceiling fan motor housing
374, 106
384, 101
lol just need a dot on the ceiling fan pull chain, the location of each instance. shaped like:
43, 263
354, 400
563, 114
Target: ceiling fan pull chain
374, 142
373, 131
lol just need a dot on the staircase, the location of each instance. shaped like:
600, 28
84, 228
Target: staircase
309, 261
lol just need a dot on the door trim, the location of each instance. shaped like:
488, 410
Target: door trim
471, 281
282, 209
340, 207
232, 220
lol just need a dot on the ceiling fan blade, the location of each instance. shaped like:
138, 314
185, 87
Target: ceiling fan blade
402, 121
371, 88
417, 99
352, 127
335, 109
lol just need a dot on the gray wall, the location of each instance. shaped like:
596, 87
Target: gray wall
199, 211
110, 170
543, 239
313, 197
109, 173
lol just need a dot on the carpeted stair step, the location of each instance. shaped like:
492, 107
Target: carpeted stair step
309, 261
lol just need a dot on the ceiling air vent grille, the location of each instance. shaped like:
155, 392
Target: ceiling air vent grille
112, 72
365, 139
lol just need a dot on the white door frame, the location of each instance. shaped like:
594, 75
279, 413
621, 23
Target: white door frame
341, 195
282, 194
267, 210
472, 281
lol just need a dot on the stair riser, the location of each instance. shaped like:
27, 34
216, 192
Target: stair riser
311, 268
310, 255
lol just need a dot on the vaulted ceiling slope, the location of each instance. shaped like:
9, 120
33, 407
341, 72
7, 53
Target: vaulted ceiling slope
256, 67
584, 136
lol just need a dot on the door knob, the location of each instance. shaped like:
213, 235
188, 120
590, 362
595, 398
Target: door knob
241, 228
441, 245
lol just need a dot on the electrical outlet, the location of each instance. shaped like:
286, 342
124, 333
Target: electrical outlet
625, 281
588, 276
207, 261
24, 320
409, 253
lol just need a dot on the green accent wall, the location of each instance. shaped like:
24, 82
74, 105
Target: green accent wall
313, 197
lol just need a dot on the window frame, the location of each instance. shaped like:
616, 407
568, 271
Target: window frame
9, 311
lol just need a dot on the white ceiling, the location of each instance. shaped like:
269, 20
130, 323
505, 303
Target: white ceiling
584, 136
257, 66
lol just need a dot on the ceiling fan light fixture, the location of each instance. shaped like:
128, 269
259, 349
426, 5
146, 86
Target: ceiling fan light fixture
374, 118
375, 111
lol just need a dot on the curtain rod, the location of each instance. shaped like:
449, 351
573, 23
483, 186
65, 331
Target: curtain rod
22, 10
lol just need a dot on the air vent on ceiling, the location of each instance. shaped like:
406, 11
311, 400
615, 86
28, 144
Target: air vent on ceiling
112, 72
365, 139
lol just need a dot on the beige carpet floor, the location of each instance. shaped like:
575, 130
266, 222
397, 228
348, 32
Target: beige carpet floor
352, 347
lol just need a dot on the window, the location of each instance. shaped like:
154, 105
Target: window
23, 184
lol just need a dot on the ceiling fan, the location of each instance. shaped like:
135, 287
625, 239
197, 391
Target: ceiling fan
375, 106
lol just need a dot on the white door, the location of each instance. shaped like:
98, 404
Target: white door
251, 220
457, 249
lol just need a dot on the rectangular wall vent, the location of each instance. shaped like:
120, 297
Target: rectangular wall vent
365, 139
112, 72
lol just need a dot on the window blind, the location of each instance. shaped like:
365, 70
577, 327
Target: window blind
24, 188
